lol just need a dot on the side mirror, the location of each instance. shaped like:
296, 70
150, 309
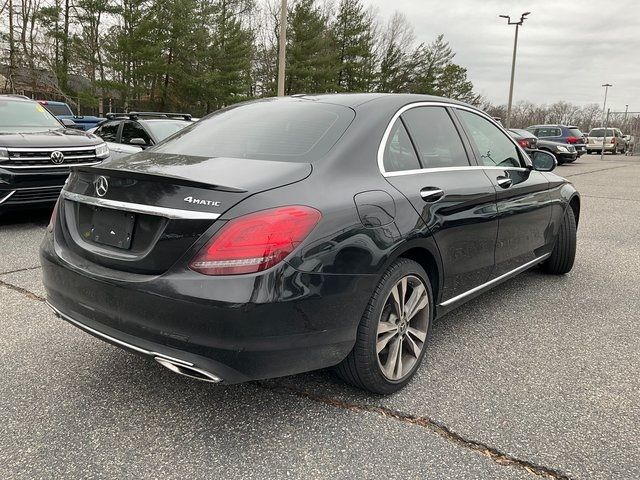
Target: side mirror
140, 142
543, 161
67, 122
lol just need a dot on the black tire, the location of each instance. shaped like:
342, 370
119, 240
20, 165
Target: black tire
362, 367
564, 251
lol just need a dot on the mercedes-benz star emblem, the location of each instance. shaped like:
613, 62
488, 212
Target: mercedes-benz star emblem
102, 185
57, 157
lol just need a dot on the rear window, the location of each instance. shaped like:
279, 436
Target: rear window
59, 109
575, 132
599, 132
291, 130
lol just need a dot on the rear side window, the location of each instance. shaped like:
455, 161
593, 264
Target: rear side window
494, 147
548, 132
132, 130
292, 130
108, 132
399, 154
575, 132
436, 137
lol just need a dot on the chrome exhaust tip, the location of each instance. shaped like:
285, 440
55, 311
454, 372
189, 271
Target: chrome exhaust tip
188, 371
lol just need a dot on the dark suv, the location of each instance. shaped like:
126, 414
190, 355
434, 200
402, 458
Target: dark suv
36, 150
563, 134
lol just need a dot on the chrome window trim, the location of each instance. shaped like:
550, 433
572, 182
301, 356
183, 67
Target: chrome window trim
173, 213
111, 339
67, 165
7, 197
52, 149
387, 132
504, 276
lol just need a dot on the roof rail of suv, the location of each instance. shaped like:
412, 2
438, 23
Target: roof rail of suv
136, 115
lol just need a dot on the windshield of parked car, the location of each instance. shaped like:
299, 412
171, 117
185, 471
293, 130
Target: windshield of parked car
24, 116
290, 130
161, 129
599, 132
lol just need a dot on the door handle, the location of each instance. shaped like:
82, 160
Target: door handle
504, 182
431, 194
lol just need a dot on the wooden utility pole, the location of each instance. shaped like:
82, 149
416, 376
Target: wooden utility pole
12, 54
282, 46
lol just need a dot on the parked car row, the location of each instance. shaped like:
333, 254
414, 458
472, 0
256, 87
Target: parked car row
37, 148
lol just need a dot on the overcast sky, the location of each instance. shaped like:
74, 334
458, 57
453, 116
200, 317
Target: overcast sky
566, 48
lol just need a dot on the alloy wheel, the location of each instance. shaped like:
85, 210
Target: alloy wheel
402, 328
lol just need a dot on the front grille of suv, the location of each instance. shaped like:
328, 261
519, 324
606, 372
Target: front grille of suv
30, 195
49, 157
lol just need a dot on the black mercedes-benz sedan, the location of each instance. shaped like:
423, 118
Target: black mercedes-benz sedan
36, 151
286, 235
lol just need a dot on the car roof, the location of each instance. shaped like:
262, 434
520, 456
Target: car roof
354, 100
17, 98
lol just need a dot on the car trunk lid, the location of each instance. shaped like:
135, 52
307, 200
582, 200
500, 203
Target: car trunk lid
143, 214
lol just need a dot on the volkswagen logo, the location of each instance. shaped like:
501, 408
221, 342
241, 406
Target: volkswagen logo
102, 185
57, 157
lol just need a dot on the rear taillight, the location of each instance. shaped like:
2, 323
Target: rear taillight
613, 140
54, 214
255, 242
573, 139
523, 143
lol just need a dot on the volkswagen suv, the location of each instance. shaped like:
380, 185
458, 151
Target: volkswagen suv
36, 151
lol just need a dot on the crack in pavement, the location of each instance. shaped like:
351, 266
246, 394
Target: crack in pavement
611, 198
596, 171
20, 270
492, 453
495, 455
23, 291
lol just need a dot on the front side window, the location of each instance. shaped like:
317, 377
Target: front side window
108, 131
132, 130
436, 138
494, 147
399, 154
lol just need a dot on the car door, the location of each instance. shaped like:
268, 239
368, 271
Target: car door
523, 198
426, 159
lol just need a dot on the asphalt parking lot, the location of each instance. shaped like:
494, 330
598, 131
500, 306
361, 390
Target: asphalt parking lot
538, 378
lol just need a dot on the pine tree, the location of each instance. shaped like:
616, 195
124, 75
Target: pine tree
353, 35
311, 60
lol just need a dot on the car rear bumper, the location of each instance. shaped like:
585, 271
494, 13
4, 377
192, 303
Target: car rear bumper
597, 147
226, 327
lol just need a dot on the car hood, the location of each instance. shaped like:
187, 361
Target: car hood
63, 137
223, 173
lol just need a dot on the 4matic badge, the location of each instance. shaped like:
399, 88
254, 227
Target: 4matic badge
198, 201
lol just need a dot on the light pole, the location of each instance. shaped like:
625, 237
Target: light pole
513, 61
604, 106
282, 46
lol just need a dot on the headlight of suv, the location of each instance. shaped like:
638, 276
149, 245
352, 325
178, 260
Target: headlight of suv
102, 151
562, 149
4, 154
